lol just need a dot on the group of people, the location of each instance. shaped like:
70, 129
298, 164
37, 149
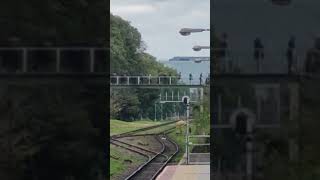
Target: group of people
258, 51
207, 80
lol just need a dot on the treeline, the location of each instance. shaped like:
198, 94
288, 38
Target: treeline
52, 130
128, 57
53, 23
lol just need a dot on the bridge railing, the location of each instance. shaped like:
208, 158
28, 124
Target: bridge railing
53, 60
153, 80
265, 62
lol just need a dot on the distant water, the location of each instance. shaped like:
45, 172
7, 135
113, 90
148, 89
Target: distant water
187, 67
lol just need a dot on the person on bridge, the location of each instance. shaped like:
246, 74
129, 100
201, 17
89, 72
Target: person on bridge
179, 76
200, 78
290, 53
224, 50
258, 52
190, 78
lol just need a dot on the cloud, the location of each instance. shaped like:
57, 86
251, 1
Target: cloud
133, 9
160, 20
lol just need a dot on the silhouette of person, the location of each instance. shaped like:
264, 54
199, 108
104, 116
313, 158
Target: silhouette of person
224, 44
313, 55
190, 77
200, 78
224, 51
290, 51
258, 52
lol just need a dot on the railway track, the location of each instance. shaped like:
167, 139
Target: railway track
151, 169
134, 132
134, 148
157, 160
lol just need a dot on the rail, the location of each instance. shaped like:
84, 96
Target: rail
154, 165
156, 81
142, 129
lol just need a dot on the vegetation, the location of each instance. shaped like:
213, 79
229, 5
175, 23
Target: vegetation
38, 23
51, 125
121, 160
179, 137
117, 126
128, 57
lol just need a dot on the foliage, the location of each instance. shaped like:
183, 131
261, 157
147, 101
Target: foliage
117, 126
57, 22
128, 57
50, 128
118, 158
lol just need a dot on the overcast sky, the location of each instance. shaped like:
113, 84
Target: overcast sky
159, 21
245, 20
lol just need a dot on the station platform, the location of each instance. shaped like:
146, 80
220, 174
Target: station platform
185, 172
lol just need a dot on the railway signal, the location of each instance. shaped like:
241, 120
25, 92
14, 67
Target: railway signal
186, 100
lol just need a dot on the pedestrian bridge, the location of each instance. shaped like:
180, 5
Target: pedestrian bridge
155, 82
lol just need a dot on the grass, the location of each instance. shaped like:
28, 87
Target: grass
118, 127
118, 166
178, 138
158, 130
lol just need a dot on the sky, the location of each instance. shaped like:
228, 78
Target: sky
247, 19
159, 22
244, 20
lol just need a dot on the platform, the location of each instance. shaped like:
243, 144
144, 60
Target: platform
185, 172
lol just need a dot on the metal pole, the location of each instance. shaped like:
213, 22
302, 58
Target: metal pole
187, 134
24, 60
58, 59
174, 110
219, 108
155, 111
92, 60
172, 95
161, 111
249, 148
178, 95
239, 102
201, 100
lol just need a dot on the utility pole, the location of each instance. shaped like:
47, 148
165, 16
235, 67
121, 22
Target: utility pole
155, 111
161, 111
186, 100
201, 100
249, 155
